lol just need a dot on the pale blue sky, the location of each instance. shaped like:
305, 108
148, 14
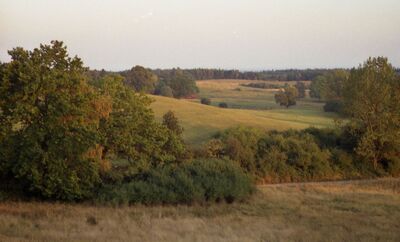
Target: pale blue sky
242, 34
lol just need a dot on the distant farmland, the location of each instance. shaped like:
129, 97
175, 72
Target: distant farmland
247, 106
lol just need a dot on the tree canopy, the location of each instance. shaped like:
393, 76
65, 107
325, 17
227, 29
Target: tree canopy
141, 79
50, 116
59, 130
372, 100
287, 96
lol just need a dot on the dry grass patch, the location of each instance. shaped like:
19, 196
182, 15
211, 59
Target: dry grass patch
349, 211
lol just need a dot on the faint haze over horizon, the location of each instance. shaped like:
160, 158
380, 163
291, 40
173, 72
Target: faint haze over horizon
230, 34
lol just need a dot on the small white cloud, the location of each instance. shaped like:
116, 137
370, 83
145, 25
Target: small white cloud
147, 15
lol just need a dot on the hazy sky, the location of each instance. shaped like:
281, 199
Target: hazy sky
242, 34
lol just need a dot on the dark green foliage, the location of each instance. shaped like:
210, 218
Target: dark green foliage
172, 123
263, 85
345, 164
59, 133
286, 97
205, 101
163, 89
335, 106
301, 89
182, 85
131, 131
141, 79
223, 105
392, 164
175, 144
49, 124
317, 84
329, 86
292, 156
372, 100
325, 138
196, 182
280, 75
240, 144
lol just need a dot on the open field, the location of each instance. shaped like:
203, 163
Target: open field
250, 106
350, 211
248, 97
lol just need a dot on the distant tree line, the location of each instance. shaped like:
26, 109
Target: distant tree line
280, 75
180, 83
175, 83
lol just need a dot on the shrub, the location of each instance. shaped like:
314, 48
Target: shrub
262, 85
335, 106
196, 182
165, 91
172, 123
223, 105
240, 144
394, 167
205, 101
344, 164
325, 138
300, 158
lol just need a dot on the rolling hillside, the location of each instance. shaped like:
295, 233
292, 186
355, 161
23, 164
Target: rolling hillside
201, 121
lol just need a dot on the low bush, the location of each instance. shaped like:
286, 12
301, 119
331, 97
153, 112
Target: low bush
263, 85
205, 101
200, 181
223, 105
294, 156
335, 106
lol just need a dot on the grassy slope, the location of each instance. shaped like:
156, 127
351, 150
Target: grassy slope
353, 211
253, 107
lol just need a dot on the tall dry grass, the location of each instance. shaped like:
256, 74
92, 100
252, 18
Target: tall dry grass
344, 211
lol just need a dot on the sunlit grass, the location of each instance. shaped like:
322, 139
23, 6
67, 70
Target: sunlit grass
251, 107
344, 211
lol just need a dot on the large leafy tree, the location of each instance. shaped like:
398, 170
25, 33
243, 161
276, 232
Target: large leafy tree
50, 118
182, 85
131, 131
301, 89
329, 86
372, 99
287, 96
316, 86
141, 79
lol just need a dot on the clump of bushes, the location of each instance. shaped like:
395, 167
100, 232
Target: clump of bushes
205, 180
205, 101
293, 156
223, 105
335, 106
263, 85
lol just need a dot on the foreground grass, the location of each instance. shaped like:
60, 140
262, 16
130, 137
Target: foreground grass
350, 211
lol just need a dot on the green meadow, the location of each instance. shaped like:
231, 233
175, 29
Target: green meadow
246, 106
